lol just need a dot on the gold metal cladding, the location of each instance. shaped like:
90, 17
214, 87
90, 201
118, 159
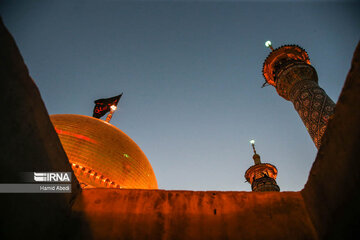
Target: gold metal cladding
102, 155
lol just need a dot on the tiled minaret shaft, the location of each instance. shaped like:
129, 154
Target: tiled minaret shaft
288, 69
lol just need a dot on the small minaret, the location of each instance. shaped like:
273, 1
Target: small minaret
288, 69
261, 176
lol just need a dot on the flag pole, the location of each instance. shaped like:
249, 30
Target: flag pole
109, 116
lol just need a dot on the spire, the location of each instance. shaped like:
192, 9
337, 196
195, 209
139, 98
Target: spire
256, 156
109, 116
261, 176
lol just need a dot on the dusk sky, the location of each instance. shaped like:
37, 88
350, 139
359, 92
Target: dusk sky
191, 73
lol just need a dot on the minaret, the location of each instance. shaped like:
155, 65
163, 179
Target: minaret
261, 176
288, 69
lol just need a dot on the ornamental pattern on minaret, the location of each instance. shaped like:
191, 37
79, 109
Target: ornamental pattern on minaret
288, 69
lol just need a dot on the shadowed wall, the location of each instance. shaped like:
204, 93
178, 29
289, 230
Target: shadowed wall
331, 193
28, 143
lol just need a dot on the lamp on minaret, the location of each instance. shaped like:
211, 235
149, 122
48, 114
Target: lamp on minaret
268, 44
261, 176
288, 69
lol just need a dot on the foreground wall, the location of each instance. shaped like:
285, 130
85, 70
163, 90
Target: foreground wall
159, 214
332, 194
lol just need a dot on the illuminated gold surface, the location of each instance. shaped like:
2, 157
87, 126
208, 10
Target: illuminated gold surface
293, 52
257, 171
102, 155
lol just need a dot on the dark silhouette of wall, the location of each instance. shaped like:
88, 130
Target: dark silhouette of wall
332, 193
28, 143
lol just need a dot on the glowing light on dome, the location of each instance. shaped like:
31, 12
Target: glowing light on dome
252, 141
113, 107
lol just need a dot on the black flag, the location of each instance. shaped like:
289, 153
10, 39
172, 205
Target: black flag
102, 106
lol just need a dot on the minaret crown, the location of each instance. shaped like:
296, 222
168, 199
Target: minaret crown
281, 56
261, 176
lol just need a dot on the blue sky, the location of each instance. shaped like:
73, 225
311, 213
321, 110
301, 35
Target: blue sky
191, 76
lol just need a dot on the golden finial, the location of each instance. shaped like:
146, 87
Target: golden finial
252, 142
256, 156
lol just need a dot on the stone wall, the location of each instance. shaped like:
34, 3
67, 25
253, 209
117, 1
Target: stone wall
159, 214
28, 143
332, 193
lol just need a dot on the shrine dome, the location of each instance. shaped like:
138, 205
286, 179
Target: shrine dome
101, 155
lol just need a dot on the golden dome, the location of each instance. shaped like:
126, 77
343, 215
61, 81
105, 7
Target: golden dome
102, 155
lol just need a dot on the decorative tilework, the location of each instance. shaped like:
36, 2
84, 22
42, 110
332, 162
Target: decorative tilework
310, 100
288, 69
265, 184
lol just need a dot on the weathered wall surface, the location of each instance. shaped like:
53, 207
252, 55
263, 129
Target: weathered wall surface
332, 192
28, 143
159, 214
